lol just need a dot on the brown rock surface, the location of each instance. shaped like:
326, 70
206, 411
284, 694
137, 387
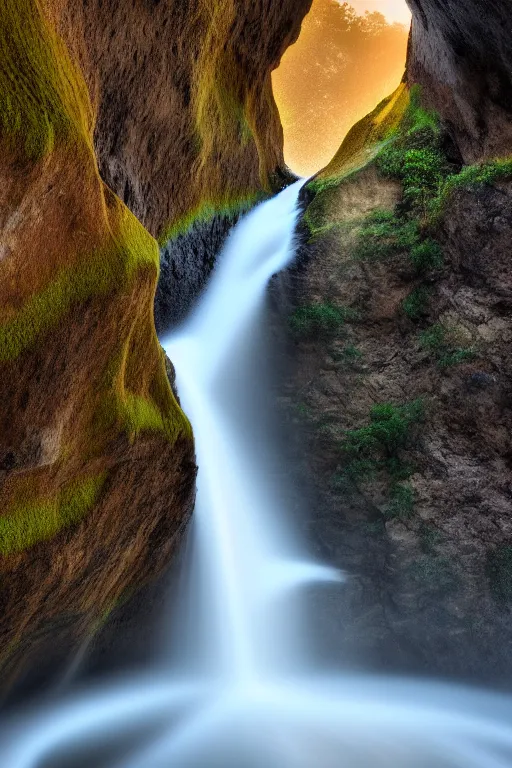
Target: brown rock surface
461, 53
170, 105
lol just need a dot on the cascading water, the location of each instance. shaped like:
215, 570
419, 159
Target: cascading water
240, 692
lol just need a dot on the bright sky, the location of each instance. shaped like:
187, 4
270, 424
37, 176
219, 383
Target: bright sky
394, 10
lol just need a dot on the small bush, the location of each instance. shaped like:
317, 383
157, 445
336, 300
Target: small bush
477, 175
319, 320
427, 256
401, 506
499, 573
416, 303
388, 431
436, 340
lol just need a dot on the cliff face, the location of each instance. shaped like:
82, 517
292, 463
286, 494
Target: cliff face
187, 132
161, 111
401, 334
96, 457
461, 52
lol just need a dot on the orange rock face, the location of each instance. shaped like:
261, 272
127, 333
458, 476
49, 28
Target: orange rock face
170, 104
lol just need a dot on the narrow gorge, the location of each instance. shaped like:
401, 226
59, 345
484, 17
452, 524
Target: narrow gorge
139, 141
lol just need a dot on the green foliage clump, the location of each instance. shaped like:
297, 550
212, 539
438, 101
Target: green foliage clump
321, 320
427, 256
415, 156
499, 573
377, 448
41, 519
401, 505
389, 430
415, 305
385, 234
437, 340
487, 173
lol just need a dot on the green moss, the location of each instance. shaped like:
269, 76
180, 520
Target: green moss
41, 519
206, 211
499, 573
319, 320
94, 275
43, 97
438, 342
139, 414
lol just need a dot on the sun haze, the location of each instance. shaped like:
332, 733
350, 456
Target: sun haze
344, 63
393, 10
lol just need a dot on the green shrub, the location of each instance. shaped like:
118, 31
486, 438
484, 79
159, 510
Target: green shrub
436, 340
375, 448
427, 256
416, 303
319, 319
401, 506
415, 156
477, 175
499, 573
388, 431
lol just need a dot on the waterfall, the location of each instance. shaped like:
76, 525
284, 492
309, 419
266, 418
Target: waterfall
240, 689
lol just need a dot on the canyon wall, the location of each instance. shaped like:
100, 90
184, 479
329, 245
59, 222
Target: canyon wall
461, 53
187, 132
119, 123
401, 332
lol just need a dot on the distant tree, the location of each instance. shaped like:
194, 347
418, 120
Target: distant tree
339, 69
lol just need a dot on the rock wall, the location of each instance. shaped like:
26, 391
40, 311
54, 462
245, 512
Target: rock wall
401, 334
118, 122
187, 131
461, 53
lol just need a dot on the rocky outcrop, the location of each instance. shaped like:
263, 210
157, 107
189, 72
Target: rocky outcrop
461, 53
96, 458
401, 334
118, 123
187, 132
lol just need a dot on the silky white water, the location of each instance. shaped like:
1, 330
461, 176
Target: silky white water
241, 689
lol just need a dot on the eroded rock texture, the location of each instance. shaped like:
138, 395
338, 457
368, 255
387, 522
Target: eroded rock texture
187, 131
401, 334
461, 52
111, 114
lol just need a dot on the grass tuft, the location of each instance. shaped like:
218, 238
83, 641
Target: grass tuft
319, 320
